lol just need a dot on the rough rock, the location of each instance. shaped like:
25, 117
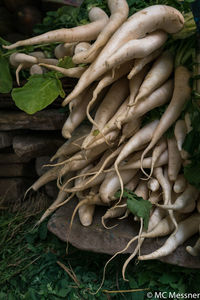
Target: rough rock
50, 119
12, 158
31, 146
6, 139
98, 239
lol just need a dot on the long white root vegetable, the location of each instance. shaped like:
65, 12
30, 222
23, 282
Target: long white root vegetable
83, 33
186, 229
181, 94
119, 12
158, 74
137, 26
137, 48
175, 161
139, 63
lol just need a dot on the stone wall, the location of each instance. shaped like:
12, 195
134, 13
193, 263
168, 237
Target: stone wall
26, 143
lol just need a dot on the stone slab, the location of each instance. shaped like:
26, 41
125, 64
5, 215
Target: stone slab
6, 139
12, 158
96, 238
49, 119
32, 146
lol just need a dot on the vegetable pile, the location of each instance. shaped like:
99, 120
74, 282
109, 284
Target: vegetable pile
135, 89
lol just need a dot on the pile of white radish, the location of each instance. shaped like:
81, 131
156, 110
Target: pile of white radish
126, 75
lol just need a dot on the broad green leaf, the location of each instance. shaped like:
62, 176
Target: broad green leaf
5, 76
37, 93
138, 206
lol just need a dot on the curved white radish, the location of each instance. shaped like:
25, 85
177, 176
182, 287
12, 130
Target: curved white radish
137, 26
83, 33
137, 48
119, 12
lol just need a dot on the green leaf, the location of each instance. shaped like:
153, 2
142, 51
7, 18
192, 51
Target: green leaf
37, 93
66, 62
5, 76
43, 231
192, 173
138, 206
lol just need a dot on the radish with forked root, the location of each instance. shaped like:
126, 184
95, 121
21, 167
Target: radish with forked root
175, 161
137, 48
139, 63
119, 12
186, 229
137, 26
158, 74
181, 94
83, 33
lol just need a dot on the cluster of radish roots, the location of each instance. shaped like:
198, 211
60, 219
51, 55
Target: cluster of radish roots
126, 74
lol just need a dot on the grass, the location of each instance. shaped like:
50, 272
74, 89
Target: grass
34, 266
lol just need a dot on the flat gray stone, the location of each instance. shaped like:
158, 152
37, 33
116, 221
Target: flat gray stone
12, 158
112, 240
6, 139
32, 146
49, 119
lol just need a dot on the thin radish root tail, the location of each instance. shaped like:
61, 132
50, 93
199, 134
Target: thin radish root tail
28, 190
121, 183
105, 226
104, 269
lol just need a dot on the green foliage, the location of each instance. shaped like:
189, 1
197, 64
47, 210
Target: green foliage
37, 93
5, 76
137, 205
66, 62
68, 16
29, 268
